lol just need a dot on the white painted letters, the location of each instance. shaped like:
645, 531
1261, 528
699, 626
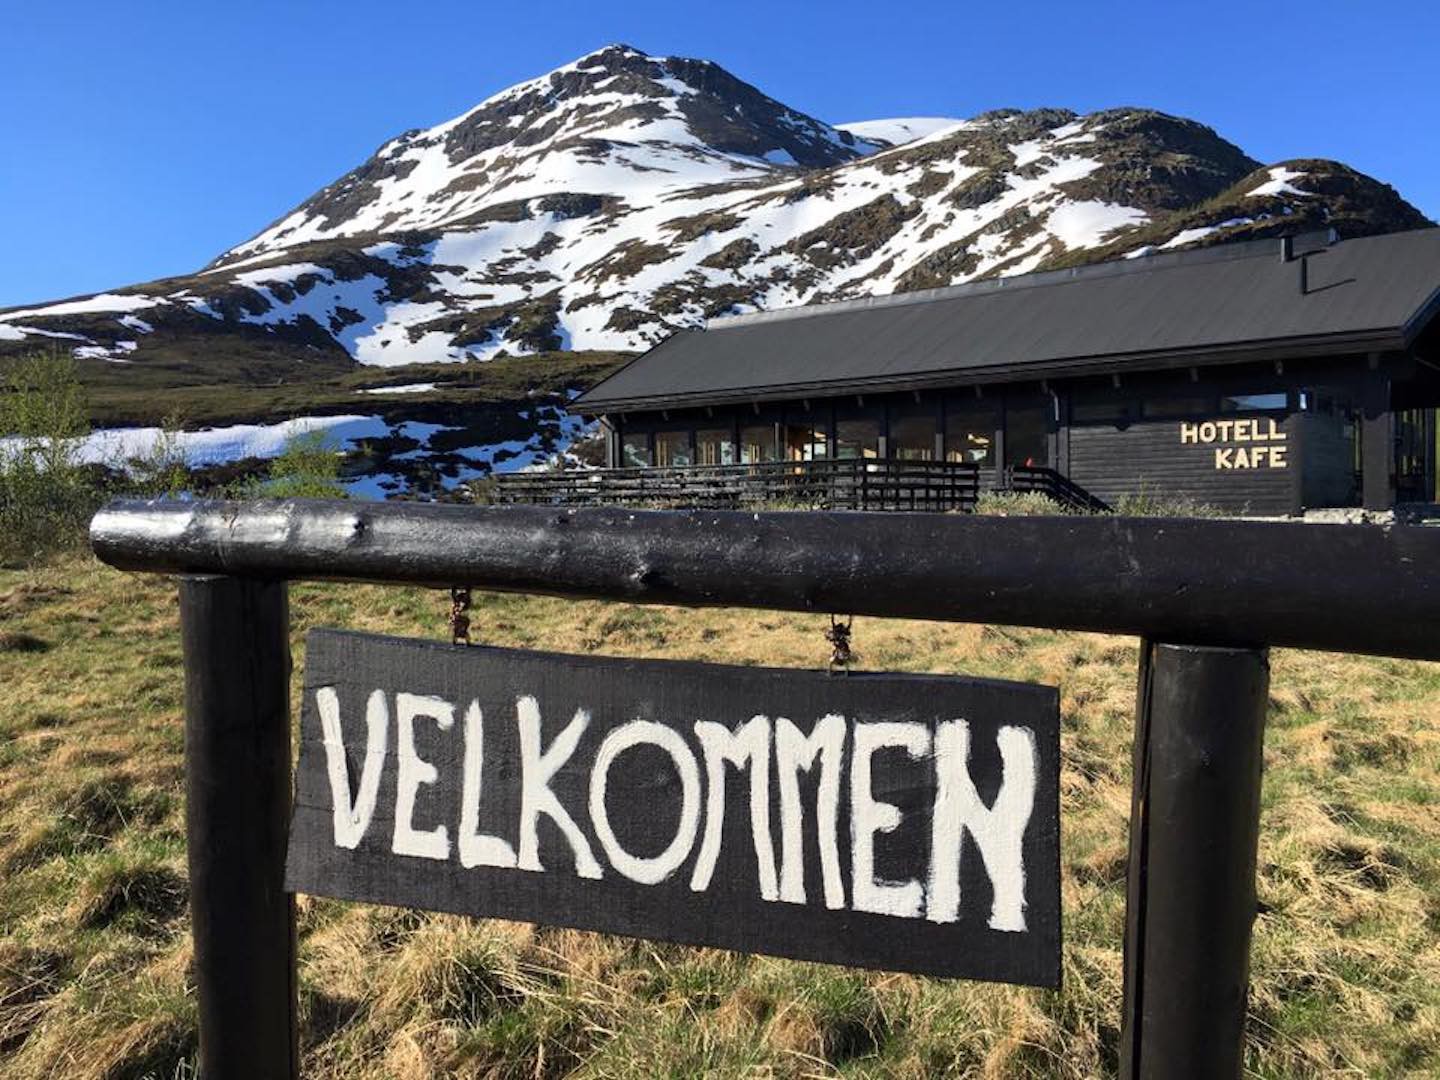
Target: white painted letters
477, 848
747, 745
537, 769
998, 829
868, 816
411, 772
352, 815
764, 747
794, 752
656, 869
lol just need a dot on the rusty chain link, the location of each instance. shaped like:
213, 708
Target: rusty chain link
839, 637
460, 616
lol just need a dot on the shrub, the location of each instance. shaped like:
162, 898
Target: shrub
308, 468
1018, 504
162, 470
46, 493
1149, 503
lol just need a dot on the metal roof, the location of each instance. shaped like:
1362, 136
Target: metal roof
1232, 302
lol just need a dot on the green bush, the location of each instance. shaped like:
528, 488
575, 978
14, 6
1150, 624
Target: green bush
308, 468
47, 494
161, 471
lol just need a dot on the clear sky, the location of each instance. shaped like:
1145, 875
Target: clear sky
141, 139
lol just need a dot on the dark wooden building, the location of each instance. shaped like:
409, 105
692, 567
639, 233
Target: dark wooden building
1265, 377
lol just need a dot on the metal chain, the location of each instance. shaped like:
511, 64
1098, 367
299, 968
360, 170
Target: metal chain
460, 616
839, 637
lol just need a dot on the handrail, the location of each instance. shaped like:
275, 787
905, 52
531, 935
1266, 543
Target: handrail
1350, 588
1056, 485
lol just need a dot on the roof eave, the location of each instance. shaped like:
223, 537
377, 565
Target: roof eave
1324, 345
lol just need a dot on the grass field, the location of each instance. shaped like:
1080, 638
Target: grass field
94, 953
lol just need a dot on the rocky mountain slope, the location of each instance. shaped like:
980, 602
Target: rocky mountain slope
622, 196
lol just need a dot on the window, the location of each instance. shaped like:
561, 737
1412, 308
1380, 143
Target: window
1027, 434
672, 448
1098, 412
857, 439
805, 442
1252, 402
912, 436
1327, 401
970, 433
757, 443
635, 448
714, 446
1160, 408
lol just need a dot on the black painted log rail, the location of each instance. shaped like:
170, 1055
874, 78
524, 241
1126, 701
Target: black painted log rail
1207, 597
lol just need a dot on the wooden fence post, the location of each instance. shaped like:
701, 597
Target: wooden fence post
1195, 822
237, 784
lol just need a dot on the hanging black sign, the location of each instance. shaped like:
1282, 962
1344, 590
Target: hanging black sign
904, 822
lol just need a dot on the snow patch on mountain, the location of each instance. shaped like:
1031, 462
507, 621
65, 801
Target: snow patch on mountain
102, 302
1280, 183
898, 131
1081, 224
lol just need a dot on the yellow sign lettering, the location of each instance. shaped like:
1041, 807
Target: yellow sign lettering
1265, 432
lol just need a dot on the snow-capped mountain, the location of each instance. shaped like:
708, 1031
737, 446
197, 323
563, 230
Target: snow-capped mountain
623, 196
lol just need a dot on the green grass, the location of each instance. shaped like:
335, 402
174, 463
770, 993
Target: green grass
95, 960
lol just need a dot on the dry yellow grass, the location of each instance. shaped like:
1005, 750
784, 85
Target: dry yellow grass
94, 953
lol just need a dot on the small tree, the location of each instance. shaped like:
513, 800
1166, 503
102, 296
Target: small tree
46, 492
162, 469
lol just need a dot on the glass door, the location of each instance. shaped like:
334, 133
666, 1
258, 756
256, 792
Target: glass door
1027, 432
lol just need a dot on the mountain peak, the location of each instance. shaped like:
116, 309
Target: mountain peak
615, 123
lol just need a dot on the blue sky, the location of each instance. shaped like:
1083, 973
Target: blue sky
141, 139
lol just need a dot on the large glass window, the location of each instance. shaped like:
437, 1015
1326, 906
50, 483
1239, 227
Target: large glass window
1253, 402
805, 442
714, 446
970, 433
672, 448
912, 436
757, 443
635, 448
857, 439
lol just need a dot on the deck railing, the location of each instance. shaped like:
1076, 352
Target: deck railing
1055, 485
827, 484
